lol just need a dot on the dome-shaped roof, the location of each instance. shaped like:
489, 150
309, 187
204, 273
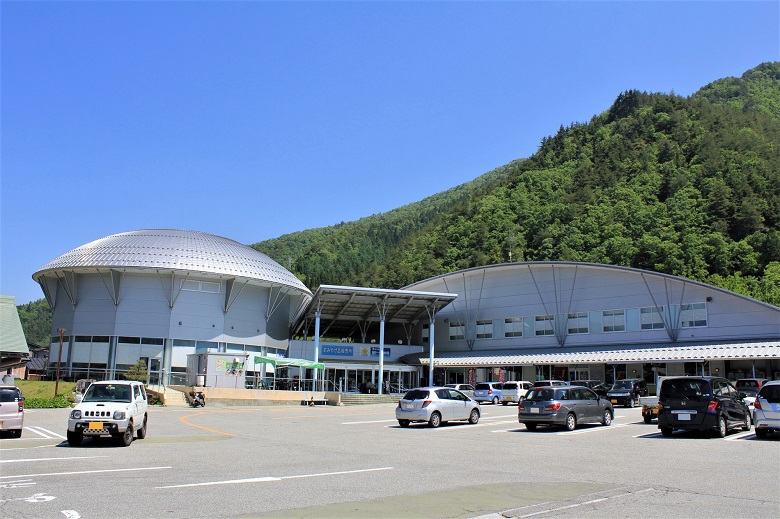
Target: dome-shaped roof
176, 250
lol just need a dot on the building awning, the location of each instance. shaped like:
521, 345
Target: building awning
283, 362
699, 352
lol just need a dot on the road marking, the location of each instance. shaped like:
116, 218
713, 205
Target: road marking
575, 505
367, 421
265, 479
35, 498
52, 459
184, 419
83, 472
71, 514
40, 431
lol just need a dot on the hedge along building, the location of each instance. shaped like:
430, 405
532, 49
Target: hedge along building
565, 320
160, 295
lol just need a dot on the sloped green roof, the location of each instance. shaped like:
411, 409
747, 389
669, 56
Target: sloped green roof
11, 334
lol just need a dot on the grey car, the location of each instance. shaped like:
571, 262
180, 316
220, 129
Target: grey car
436, 405
766, 409
565, 406
466, 389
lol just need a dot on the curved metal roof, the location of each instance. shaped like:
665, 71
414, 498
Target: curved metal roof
175, 250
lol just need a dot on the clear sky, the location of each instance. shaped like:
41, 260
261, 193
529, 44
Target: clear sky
254, 119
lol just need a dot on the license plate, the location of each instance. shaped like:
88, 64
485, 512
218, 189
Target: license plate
614, 401
683, 416
535, 410
408, 406
95, 426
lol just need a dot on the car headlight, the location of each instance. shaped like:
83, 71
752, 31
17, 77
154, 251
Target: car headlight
76, 414
119, 415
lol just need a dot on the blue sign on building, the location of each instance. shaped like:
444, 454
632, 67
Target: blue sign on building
340, 351
375, 351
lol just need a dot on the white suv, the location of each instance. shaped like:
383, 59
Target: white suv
114, 408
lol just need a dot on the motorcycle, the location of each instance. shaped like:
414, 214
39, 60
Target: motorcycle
198, 400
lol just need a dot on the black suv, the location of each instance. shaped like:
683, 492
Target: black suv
627, 391
701, 404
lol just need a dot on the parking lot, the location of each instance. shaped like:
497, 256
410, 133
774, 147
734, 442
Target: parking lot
323, 461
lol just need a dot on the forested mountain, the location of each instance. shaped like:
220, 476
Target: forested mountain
685, 186
688, 186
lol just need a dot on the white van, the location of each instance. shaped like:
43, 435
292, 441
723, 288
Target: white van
514, 391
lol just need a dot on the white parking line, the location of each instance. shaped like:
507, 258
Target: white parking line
72, 473
52, 459
366, 421
265, 479
40, 431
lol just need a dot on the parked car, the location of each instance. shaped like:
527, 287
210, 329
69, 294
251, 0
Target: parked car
488, 392
466, 389
750, 383
701, 404
436, 405
766, 409
597, 386
564, 406
116, 408
514, 391
626, 392
749, 399
11, 410
545, 383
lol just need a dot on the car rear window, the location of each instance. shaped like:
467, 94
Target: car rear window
482, 386
510, 385
416, 394
685, 389
8, 394
770, 393
539, 394
747, 383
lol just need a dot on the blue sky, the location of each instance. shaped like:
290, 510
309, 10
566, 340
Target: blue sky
251, 120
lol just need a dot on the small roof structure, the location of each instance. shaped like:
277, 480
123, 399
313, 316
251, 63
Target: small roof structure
13, 346
343, 309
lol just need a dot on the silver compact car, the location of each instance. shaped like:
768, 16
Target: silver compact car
11, 410
436, 405
766, 409
563, 406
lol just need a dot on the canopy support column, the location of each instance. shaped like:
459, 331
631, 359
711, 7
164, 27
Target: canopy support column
317, 316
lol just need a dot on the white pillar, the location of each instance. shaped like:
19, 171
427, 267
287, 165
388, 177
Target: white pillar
381, 388
316, 344
431, 335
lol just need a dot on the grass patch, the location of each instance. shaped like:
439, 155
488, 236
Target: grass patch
39, 394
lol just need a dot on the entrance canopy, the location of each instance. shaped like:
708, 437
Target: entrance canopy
344, 310
284, 362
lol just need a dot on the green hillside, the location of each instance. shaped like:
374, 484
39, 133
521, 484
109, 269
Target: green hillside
686, 186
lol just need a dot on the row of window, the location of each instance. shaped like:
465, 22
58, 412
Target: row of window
650, 318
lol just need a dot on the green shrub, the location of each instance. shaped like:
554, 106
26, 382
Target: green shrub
46, 403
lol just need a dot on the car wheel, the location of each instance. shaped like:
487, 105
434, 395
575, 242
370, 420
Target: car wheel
648, 418
530, 426
505, 403
74, 438
571, 422
127, 438
404, 423
607, 418
495, 400
761, 433
435, 420
722, 428
16, 433
748, 423
141, 433
474, 416
666, 431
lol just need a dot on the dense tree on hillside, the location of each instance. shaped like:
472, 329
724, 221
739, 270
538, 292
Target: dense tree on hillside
36, 322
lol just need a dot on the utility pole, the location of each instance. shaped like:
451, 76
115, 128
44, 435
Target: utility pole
59, 361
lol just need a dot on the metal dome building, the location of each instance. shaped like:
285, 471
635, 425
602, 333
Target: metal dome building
162, 294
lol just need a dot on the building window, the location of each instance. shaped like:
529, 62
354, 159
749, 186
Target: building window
426, 333
154, 341
650, 318
457, 331
484, 329
578, 323
693, 315
513, 327
200, 286
613, 320
544, 324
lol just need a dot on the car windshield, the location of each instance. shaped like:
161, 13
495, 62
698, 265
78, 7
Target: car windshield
623, 384
544, 394
9, 394
770, 393
685, 389
107, 393
416, 394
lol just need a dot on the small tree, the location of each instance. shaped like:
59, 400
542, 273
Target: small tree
137, 371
